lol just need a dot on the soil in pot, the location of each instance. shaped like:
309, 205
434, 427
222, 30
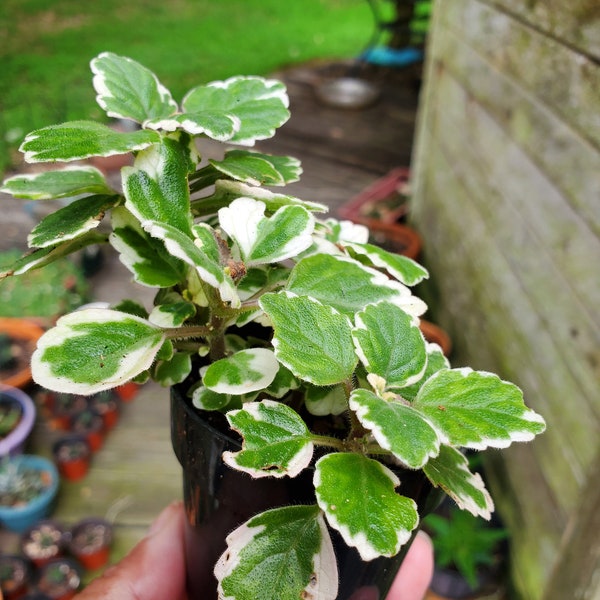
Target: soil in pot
90, 542
60, 579
43, 542
15, 576
218, 499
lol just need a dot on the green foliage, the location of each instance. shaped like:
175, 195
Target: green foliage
464, 542
339, 325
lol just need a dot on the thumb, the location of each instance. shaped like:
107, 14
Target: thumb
153, 570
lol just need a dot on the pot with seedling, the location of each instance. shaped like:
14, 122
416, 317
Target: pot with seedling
292, 345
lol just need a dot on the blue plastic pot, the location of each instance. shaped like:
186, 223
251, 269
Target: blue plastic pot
13, 443
19, 518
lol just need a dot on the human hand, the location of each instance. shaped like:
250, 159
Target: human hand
155, 568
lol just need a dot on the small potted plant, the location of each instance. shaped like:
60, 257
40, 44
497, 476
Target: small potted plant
17, 342
28, 485
15, 576
106, 404
61, 409
91, 425
90, 542
43, 542
60, 579
72, 455
17, 416
308, 411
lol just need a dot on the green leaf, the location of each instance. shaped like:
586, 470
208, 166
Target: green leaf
93, 350
61, 183
329, 400
255, 168
402, 268
396, 427
348, 286
255, 106
390, 345
357, 495
436, 361
77, 140
313, 341
476, 409
146, 257
263, 240
156, 187
172, 314
243, 372
173, 371
206, 399
128, 90
183, 247
71, 221
450, 471
281, 554
277, 443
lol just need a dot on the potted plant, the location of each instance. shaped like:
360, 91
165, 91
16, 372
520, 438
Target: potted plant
15, 576
60, 579
43, 542
28, 485
17, 416
91, 425
90, 542
72, 455
291, 345
17, 342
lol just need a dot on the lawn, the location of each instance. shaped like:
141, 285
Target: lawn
47, 45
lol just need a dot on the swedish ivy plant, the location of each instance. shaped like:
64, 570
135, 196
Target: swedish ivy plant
226, 248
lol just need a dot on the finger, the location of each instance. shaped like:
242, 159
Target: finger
153, 570
416, 571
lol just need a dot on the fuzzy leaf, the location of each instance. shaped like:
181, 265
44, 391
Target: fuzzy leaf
61, 183
313, 341
389, 343
396, 427
128, 90
173, 371
348, 286
281, 554
93, 350
206, 399
325, 400
357, 495
476, 409
156, 187
146, 257
277, 443
255, 106
77, 140
243, 372
263, 240
450, 471
255, 168
71, 221
402, 268
172, 314
181, 246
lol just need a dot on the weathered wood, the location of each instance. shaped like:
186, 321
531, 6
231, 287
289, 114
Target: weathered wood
507, 188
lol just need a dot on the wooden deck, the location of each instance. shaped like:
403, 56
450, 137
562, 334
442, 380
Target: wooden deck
135, 474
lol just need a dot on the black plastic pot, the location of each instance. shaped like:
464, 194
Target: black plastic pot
217, 499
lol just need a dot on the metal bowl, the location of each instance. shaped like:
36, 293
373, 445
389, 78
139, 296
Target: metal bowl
347, 92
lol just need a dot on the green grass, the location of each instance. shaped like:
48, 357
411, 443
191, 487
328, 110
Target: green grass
46, 46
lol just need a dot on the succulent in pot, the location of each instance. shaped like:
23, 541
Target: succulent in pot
286, 326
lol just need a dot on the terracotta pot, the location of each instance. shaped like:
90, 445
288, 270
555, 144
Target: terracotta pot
91, 425
72, 454
435, 334
26, 331
15, 576
106, 404
128, 391
90, 542
217, 499
395, 237
60, 579
63, 408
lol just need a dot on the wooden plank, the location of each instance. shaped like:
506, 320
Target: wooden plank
568, 160
577, 22
567, 82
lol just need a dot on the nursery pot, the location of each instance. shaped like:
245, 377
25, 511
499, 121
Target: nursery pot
14, 441
217, 499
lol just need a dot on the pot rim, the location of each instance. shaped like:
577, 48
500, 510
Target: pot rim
11, 443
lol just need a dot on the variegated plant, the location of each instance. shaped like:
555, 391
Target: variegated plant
342, 326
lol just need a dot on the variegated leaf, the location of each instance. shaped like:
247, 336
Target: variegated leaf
78, 140
329, 400
390, 345
255, 168
93, 350
281, 554
276, 443
243, 372
60, 183
312, 340
450, 471
436, 361
476, 409
348, 286
71, 221
173, 371
128, 90
172, 314
357, 495
261, 239
396, 427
